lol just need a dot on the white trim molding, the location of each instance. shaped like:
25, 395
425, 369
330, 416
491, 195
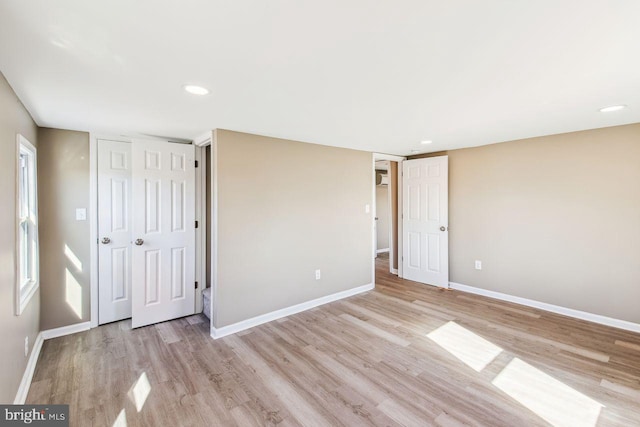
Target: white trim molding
577, 314
204, 139
288, 311
25, 384
93, 228
66, 330
382, 251
27, 377
391, 157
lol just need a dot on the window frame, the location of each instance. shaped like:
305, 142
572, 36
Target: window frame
27, 283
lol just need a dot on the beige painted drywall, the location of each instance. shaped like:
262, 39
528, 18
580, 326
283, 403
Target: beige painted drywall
63, 165
285, 209
14, 119
554, 219
382, 213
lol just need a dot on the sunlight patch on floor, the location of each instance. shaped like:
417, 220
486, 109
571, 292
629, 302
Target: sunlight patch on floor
550, 399
475, 351
140, 391
121, 421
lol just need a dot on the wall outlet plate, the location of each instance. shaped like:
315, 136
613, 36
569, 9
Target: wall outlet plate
478, 265
81, 214
318, 275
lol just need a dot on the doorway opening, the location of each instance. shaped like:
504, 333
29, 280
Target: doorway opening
387, 248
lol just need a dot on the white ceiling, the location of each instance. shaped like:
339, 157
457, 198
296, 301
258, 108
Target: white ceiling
377, 76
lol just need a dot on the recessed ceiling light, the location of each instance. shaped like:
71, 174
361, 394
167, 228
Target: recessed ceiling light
415, 151
612, 108
196, 90
426, 141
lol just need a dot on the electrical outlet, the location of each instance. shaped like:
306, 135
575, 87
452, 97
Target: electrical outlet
26, 346
478, 265
318, 275
367, 208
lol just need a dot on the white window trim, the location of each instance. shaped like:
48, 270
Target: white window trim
25, 293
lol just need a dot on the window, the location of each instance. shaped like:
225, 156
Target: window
27, 210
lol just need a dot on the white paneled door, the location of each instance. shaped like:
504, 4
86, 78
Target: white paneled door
163, 189
114, 231
425, 221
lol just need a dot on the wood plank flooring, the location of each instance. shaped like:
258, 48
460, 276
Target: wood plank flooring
404, 354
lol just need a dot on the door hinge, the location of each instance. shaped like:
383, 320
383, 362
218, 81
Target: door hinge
196, 224
196, 163
196, 285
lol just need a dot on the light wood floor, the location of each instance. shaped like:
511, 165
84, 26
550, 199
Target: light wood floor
404, 354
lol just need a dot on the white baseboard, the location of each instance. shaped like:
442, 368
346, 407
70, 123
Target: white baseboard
382, 251
394, 271
583, 315
25, 384
66, 330
284, 312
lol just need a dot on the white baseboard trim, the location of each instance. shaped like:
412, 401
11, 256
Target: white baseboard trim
583, 315
66, 330
25, 384
394, 271
284, 312
382, 251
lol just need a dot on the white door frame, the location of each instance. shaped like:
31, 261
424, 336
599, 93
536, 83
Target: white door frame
202, 141
399, 159
200, 213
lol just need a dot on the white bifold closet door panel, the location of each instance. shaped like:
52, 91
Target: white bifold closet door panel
114, 231
163, 188
425, 221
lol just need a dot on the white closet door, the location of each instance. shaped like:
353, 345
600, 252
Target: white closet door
163, 231
425, 221
114, 231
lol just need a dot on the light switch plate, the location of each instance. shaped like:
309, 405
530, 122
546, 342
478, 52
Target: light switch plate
81, 214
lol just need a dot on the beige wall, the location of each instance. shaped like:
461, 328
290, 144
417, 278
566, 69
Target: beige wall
63, 165
554, 219
286, 209
382, 213
14, 119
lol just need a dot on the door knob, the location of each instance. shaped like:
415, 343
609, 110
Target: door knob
139, 242
443, 228
106, 240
